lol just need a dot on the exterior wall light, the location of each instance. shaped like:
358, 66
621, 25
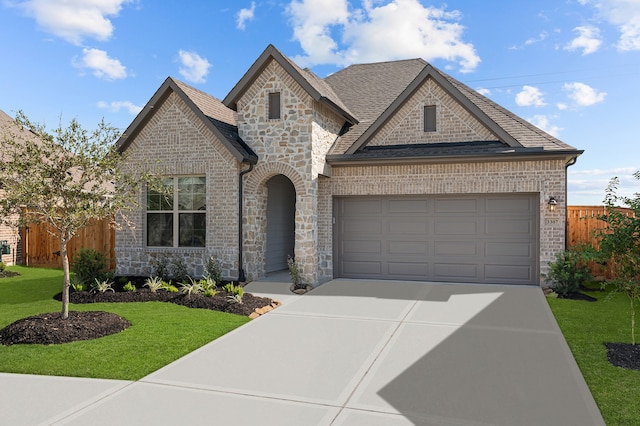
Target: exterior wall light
552, 203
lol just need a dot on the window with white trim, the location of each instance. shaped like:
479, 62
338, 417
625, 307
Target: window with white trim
176, 217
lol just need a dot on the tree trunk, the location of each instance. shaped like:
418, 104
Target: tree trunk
65, 269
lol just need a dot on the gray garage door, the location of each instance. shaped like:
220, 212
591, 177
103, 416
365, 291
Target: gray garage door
470, 239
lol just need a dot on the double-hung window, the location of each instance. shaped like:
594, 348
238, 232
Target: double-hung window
176, 216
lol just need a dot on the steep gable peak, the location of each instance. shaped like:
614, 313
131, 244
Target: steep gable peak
219, 119
313, 85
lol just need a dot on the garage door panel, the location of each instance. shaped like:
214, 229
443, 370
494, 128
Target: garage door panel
515, 249
362, 227
509, 226
455, 271
362, 268
509, 273
456, 248
477, 239
362, 247
407, 270
512, 205
407, 226
407, 248
456, 206
408, 206
362, 207
455, 227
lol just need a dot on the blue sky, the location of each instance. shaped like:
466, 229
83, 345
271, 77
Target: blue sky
571, 67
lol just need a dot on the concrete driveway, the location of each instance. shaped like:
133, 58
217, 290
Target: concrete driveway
351, 352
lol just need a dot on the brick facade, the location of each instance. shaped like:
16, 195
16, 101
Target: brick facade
454, 123
175, 142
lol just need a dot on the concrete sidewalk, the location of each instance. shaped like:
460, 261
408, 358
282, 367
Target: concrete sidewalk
351, 352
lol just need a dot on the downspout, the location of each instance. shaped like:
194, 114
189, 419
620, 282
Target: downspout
566, 199
241, 276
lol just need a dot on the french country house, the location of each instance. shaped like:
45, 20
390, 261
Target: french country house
390, 170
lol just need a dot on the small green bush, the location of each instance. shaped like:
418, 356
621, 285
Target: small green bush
89, 265
213, 269
210, 292
180, 274
294, 271
160, 267
77, 285
129, 287
568, 271
2, 266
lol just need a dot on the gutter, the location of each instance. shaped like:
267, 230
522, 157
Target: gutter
241, 275
355, 160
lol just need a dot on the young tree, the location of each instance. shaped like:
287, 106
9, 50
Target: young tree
65, 179
620, 243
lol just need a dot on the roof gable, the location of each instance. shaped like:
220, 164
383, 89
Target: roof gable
377, 91
317, 88
429, 72
219, 119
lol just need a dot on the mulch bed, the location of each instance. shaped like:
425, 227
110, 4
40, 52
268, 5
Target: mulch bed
50, 328
8, 274
577, 296
624, 355
219, 302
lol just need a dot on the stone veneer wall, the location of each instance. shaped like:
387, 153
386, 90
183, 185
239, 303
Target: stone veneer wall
454, 123
294, 146
546, 177
175, 142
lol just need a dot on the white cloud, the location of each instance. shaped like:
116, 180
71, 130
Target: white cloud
194, 67
245, 15
73, 20
530, 96
562, 106
483, 91
543, 122
587, 187
588, 40
625, 14
116, 106
332, 32
102, 65
582, 94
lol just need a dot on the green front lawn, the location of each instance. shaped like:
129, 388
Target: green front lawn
586, 327
159, 334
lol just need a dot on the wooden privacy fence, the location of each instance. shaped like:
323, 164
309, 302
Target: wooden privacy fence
582, 222
41, 248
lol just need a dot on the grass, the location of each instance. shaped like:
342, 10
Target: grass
159, 334
586, 327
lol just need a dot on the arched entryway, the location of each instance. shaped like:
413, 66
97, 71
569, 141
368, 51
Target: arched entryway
281, 214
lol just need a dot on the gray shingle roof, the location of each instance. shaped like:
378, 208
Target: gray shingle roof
222, 121
374, 91
368, 90
311, 83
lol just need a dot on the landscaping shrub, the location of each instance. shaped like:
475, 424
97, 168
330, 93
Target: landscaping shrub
213, 269
568, 271
89, 265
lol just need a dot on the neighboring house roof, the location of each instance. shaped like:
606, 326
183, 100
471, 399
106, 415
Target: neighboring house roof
318, 89
219, 119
